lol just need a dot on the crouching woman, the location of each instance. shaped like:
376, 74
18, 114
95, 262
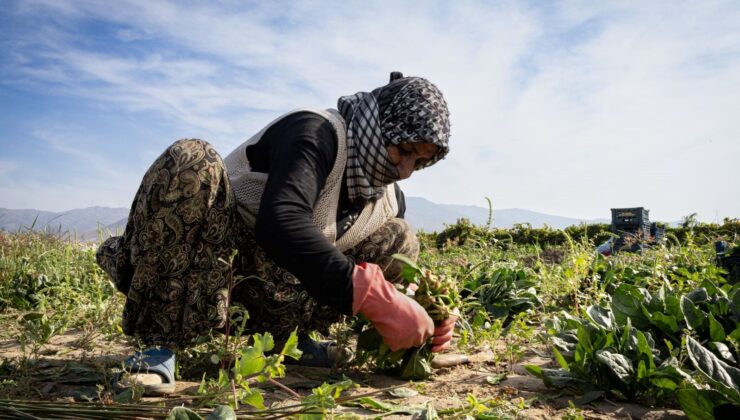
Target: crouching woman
311, 206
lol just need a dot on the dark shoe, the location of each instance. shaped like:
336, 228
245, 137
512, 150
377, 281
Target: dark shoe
324, 354
153, 369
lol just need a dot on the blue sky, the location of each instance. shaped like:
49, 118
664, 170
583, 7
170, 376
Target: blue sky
567, 108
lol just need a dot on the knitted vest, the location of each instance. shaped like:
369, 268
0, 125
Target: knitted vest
248, 187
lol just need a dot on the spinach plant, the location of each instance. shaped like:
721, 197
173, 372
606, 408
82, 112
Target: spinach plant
439, 296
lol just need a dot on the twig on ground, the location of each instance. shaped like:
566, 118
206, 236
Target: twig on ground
285, 388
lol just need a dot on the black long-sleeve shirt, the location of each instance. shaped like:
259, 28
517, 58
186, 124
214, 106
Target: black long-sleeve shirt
298, 153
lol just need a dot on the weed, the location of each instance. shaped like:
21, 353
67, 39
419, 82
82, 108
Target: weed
573, 412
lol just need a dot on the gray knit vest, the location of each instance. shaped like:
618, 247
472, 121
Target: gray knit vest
248, 187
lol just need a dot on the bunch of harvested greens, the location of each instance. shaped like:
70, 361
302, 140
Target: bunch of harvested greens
439, 296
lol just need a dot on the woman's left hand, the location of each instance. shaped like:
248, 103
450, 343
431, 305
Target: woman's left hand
443, 332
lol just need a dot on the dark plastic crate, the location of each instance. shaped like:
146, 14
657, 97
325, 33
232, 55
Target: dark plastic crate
632, 216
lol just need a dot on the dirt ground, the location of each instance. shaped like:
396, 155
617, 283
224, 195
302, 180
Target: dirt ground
72, 368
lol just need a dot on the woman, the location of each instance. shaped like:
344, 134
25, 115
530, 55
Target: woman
311, 206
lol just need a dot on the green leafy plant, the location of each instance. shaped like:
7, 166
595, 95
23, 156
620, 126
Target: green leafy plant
252, 363
629, 348
37, 329
322, 400
699, 402
439, 296
709, 312
597, 353
502, 292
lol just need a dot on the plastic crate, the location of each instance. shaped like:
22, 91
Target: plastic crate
633, 221
632, 216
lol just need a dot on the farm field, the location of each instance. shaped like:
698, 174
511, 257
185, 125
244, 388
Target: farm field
548, 329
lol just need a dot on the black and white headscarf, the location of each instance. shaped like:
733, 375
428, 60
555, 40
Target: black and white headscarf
407, 110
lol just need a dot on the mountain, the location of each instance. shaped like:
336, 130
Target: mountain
420, 212
79, 221
432, 217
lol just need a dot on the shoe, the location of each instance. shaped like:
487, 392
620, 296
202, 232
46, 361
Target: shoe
325, 354
153, 369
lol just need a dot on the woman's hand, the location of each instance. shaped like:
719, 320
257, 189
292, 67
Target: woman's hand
399, 319
443, 332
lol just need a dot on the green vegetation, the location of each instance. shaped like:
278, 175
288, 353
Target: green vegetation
439, 296
524, 234
48, 285
657, 328
500, 292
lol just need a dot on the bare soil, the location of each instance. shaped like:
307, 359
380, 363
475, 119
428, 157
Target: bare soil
73, 367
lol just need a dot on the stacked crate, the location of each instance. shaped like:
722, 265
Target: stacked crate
633, 227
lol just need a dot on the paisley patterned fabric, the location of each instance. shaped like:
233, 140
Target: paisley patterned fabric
167, 261
182, 224
278, 303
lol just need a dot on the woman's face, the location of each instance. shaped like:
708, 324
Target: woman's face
409, 157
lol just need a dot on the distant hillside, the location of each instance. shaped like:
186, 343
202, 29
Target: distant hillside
432, 217
421, 214
79, 221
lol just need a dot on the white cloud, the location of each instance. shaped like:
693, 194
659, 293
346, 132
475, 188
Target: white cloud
72, 146
567, 108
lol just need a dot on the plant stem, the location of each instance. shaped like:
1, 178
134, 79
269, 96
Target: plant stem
227, 328
285, 388
236, 400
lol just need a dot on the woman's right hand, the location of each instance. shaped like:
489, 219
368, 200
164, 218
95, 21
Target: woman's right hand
399, 319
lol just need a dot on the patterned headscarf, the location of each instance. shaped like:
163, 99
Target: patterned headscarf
407, 110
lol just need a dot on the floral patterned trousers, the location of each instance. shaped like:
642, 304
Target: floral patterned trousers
170, 261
